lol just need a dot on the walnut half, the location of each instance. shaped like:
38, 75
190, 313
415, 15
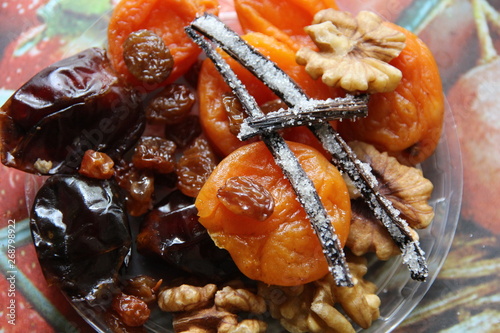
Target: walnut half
209, 309
312, 307
353, 51
407, 189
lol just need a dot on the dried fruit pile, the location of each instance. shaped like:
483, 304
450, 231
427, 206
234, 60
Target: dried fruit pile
249, 190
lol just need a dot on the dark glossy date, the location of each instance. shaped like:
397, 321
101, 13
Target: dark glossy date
173, 233
81, 235
72, 106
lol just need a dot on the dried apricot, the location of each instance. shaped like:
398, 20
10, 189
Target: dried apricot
282, 249
212, 89
166, 18
407, 122
284, 20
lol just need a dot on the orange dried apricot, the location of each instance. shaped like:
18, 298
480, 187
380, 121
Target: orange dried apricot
212, 88
407, 122
166, 18
284, 20
282, 249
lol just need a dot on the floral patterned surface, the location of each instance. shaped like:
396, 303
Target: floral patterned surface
465, 38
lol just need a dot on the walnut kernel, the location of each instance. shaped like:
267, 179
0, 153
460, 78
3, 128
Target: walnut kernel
353, 51
186, 297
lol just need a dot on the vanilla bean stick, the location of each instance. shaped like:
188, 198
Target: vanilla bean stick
343, 157
317, 111
287, 161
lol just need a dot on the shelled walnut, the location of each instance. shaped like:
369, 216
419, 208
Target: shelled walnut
312, 307
404, 186
209, 309
353, 51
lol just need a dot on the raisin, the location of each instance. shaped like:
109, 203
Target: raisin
154, 153
184, 133
132, 310
171, 105
243, 196
96, 165
143, 287
235, 112
236, 115
116, 325
147, 57
139, 186
195, 166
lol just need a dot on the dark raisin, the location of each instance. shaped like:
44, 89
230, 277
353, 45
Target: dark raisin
143, 287
171, 105
195, 166
138, 185
185, 132
235, 112
81, 235
96, 165
147, 57
132, 310
244, 196
154, 153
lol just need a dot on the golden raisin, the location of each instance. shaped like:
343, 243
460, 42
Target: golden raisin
96, 165
132, 310
139, 186
243, 196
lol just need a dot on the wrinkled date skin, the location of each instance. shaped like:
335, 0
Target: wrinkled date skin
81, 235
67, 108
172, 232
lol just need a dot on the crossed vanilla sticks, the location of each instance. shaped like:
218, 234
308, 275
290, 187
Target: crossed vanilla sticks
315, 114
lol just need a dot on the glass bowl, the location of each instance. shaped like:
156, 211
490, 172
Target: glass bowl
399, 294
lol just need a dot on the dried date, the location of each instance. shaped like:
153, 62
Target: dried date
172, 232
81, 235
70, 107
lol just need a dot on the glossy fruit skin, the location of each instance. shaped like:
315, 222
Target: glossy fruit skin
283, 249
172, 232
407, 122
284, 20
67, 108
81, 235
